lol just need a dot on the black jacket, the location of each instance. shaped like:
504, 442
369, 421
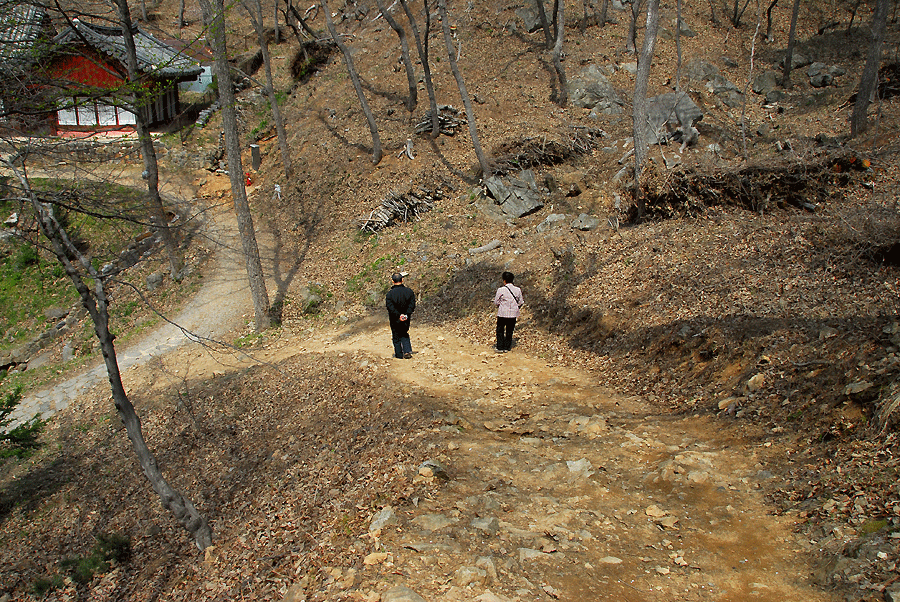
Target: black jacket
400, 300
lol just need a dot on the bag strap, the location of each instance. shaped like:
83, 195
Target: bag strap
518, 301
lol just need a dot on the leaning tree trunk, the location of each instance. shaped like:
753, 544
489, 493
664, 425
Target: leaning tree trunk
461, 84
642, 131
558, 18
426, 69
97, 305
792, 38
869, 79
354, 77
148, 152
404, 55
215, 21
254, 9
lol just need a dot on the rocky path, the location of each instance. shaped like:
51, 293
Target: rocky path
552, 487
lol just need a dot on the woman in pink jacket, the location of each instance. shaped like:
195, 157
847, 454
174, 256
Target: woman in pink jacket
508, 301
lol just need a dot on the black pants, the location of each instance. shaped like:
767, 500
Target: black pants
505, 327
400, 337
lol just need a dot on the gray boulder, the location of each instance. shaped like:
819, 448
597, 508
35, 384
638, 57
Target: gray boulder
821, 75
554, 220
590, 89
672, 117
530, 18
585, 222
517, 196
765, 82
154, 281
700, 71
797, 61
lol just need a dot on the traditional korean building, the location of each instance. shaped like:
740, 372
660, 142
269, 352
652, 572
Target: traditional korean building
90, 63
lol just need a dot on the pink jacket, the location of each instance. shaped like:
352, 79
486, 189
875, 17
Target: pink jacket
508, 301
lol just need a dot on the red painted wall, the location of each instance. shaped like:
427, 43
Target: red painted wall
93, 71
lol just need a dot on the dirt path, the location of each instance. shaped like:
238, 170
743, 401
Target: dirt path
556, 486
221, 306
551, 486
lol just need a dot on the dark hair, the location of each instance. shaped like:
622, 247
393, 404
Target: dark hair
508, 277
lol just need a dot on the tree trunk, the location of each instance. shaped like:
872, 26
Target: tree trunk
712, 13
215, 21
769, 37
641, 123
604, 13
542, 15
631, 40
148, 152
461, 84
558, 18
853, 16
354, 77
422, 48
738, 13
180, 15
277, 39
97, 306
869, 79
254, 9
678, 45
404, 55
792, 37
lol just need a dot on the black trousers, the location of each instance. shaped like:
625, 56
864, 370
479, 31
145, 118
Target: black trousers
505, 327
400, 338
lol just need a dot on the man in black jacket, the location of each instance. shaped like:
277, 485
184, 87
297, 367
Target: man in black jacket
401, 303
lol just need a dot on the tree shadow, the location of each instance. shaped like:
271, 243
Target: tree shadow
333, 130
29, 490
700, 350
387, 95
468, 179
284, 267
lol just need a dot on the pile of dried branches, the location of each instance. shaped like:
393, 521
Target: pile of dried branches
448, 120
531, 152
805, 185
403, 207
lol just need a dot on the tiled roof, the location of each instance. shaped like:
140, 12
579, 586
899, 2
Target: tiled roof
20, 27
153, 56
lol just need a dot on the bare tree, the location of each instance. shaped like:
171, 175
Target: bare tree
461, 84
737, 12
542, 15
641, 123
80, 271
604, 13
769, 37
214, 15
254, 10
712, 12
422, 49
404, 56
559, 22
631, 40
148, 152
354, 77
869, 80
792, 38
678, 45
